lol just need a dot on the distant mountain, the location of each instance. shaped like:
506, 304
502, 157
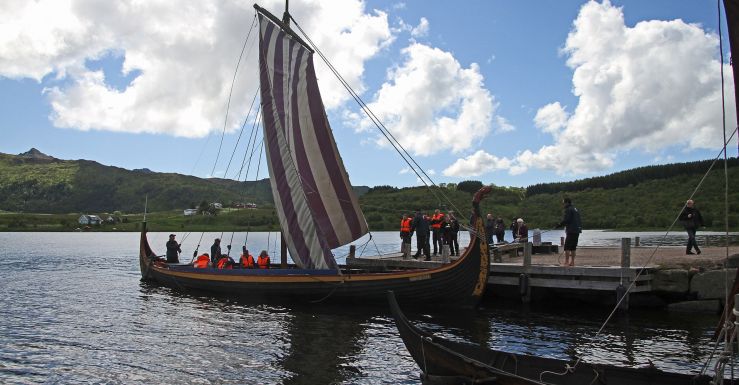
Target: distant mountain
39, 183
35, 182
36, 154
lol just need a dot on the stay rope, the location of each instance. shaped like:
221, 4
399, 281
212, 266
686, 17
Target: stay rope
407, 158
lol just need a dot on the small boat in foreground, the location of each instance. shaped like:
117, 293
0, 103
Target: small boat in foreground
448, 362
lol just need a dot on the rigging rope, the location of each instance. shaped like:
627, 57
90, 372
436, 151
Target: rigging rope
643, 268
381, 127
230, 92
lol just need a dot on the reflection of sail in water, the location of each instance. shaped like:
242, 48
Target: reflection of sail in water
319, 353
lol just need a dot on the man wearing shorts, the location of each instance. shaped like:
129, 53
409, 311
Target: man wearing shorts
573, 228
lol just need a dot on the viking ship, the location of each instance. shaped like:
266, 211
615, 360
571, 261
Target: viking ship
316, 207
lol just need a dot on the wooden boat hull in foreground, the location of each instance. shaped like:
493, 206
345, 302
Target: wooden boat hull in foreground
460, 283
448, 362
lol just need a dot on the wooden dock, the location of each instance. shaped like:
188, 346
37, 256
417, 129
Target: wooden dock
513, 272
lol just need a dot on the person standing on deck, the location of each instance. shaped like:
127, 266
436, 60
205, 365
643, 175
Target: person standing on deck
499, 230
420, 226
405, 235
573, 228
691, 219
489, 228
173, 250
453, 243
522, 231
215, 251
436, 221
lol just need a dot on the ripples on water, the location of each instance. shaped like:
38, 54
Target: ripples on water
74, 311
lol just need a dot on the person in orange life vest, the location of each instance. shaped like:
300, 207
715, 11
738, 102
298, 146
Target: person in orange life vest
405, 229
246, 260
263, 260
225, 262
202, 261
436, 221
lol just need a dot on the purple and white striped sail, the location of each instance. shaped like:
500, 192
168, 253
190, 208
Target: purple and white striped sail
317, 208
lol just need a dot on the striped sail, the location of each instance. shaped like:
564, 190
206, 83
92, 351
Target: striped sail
317, 208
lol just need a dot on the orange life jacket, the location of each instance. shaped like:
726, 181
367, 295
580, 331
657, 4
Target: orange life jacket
436, 221
263, 262
247, 261
405, 225
201, 262
224, 263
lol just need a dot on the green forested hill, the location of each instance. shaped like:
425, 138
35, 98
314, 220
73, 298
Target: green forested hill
642, 198
48, 185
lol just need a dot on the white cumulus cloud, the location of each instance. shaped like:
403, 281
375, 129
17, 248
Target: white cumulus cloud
477, 164
644, 88
182, 57
432, 104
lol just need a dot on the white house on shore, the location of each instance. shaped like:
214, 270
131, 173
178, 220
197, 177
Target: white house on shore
190, 212
89, 220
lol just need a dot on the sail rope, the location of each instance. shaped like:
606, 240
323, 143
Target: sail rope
643, 268
230, 92
409, 160
241, 132
729, 327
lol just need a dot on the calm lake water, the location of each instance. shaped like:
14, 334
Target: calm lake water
75, 312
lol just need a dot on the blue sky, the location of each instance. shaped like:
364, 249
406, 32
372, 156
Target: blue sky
507, 92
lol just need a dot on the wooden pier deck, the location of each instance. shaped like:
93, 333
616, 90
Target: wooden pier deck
599, 271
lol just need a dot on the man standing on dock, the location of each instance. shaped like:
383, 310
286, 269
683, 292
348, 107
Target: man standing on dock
691, 219
573, 228
421, 227
405, 236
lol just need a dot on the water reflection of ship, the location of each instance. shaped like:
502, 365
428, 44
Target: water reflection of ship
320, 346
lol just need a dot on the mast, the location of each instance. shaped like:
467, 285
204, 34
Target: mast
286, 15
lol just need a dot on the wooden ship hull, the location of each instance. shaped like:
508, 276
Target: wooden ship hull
460, 283
448, 362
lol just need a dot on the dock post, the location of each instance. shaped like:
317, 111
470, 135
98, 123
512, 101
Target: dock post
625, 274
523, 280
625, 252
636, 241
352, 252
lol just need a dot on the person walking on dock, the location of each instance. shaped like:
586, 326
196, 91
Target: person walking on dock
420, 226
573, 228
691, 219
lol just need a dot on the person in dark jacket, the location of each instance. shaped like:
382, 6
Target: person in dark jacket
573, 228
173, 250
215, 251
499, 230
454, 241
489, 228
420, 226
691, 219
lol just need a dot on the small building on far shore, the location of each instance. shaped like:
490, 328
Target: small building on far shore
89, 220
189, 212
